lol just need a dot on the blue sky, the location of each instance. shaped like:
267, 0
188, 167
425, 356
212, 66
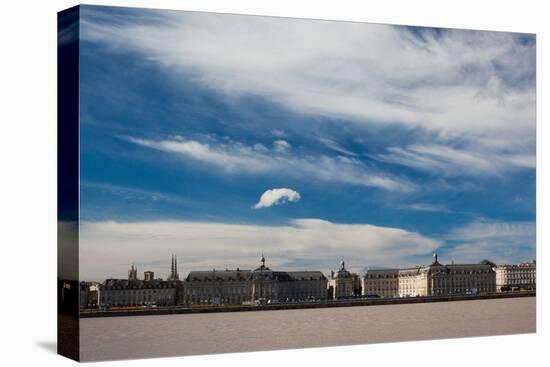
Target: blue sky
380, 144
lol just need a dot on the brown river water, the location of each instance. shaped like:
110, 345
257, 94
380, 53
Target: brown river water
186, 334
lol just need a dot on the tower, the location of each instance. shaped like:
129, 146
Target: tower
148, 276
132, 273
341, 282
174, 269
435, 259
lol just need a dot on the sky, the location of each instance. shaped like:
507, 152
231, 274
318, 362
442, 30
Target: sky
220, 137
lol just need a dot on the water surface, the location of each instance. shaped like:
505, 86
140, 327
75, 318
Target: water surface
185, 334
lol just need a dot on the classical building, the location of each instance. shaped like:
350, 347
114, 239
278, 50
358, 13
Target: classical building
435, 279
261, 285
124, 292
340, 283
381, 283
450, 279
215, 286
516, 277
136, 292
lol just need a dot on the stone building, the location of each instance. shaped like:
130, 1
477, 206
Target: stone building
444, 280
381, 282
136, 292
340, 283
516, 277
215, 286
261, 285
431, 280
124, 292
88, 296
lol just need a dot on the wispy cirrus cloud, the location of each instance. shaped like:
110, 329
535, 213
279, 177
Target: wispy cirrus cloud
450, 161
423, 207
134, 194
500, 242
237, 158
460, 85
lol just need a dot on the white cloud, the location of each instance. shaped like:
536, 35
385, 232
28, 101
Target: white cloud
237, 158
281, 146
422, 207
500, 242
446, 160
230, 157
331, 144
460, 85
276, 196
107, 248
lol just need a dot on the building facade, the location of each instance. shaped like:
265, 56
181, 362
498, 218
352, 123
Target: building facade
126, 292
264, 285
261, 285
88, 297
341, 284
516, 277
136, 292
381, 283
435, 279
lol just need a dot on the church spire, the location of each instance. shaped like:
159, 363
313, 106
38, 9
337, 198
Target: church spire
176, 276
172, 267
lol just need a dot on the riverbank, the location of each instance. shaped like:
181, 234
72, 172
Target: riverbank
340, 303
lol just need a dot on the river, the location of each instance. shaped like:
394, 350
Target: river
187, 334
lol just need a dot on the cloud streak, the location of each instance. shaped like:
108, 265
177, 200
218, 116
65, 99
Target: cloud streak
460, 85
450, 161
500, 242
202, 245
237, 158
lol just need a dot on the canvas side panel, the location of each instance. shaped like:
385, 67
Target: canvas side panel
67, 182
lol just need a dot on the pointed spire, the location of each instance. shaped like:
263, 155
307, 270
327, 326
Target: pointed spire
176, 277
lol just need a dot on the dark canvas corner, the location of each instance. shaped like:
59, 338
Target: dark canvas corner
67, 183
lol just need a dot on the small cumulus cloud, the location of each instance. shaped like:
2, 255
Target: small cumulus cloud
277, 196
281, 146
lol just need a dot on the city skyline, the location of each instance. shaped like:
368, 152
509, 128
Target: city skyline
178, 272
310, 141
